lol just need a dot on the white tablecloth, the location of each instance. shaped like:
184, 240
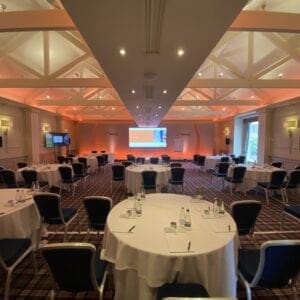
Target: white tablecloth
133, 176
19, 220
148, 257
91, 161
47, 172
211, 161
255, 174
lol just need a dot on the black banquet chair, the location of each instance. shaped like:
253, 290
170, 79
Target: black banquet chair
75, 267
9, 179
149, 180
21, 165
154, 160
245, 213
80, 172
276, 164
224, 159
292, 211
101, 162
237, 177
97, 208
118, 175
51, 212
220, 171
293, 182
12, 252
61, 159
201, 161
140, 160
177, 178
181, 291
275, 265
67, 178
175, 165
126, 163
276, 183
30, 177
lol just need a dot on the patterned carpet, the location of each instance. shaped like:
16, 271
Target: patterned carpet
28, 285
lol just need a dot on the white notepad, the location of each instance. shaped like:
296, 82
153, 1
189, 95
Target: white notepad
178, 243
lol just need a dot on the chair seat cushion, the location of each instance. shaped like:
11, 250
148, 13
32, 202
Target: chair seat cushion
68, 213
248, 262
12, 249
219, 174
293, 210
267, 185
230, 179
100, 267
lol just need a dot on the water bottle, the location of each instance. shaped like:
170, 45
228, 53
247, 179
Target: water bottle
139, 207
143, 195
187, 222
37, 186
181, 220
17, 198
221, 209
215, 206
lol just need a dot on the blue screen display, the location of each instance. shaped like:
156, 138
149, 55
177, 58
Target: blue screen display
148, 137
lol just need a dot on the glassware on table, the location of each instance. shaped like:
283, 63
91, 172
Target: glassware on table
181, 220
187, 222
138, 208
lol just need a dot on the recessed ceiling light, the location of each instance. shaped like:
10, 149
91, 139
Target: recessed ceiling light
165, 91
100, 97
280, 75
133, 91
137, 107
122, 52
223, 108
221, 74
113, 108
180, 52
159, 107
48, 97
252, 97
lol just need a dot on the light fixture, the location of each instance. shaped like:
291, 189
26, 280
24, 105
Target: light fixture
156, 115
280, 75
165, 91
252, 97
3, 7
291, 125
46, 127
132, 91
122, 52
180, 52
137, 107
223, 108
221, 74
4, 124
226, 131
159, 107
113, 108
74, 108
199, 74
197, 97
48, 97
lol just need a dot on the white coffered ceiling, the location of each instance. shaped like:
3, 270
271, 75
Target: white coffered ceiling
64, 57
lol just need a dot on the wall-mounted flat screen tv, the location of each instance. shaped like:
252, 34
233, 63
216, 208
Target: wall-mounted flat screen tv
53, 139
148, 137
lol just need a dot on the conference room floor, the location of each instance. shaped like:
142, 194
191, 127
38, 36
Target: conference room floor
27, 285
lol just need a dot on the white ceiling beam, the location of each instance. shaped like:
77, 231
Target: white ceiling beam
243, 83
76, 102
102, 82
216, 102
249, 20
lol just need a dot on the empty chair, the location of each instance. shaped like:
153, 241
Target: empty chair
189, 290
242, 159
105, 158
293, 211
51, 212
131, 157
177, 178
102, 151
97, 208
232, 156
276, 183
237, 177
224, 159
195, 158
165, 159
9, 179
245, 213
80, 172
140, 160
154, 160
220, 171
31, 177
75, 267
67, 178
101, 162
126, 163
118, 175
71, 155
84, 161
297, 168
69, 159
235, 160
94, 151
275, 265
293, 182
61, 159
149, 180
201, 161
12, 252
21, 165
175, 165
276, 164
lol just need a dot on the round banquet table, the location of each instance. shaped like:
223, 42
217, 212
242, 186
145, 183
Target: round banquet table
147, 257
133, 176
20, 220
211, 162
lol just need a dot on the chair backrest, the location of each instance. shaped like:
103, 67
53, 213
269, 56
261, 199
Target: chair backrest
165, 158
140, 160
175, 165
78, 168
21, 165
297, 168
100, 160
276, 164
245, 213
131, 157
149, 179
201, 160
2, 168
242, 159
277, 178
69, 159
232, 156
49, 205
118, 172
61, 159
83, 160
195, 158
224, 159
97, 208
71, 155
279, 263
238, 173
294, 179
65, 173
9, 178
71, 265
29, 176
105, 156
236, 160
222, 167
94, 151
126, 163
154, 160
177, 174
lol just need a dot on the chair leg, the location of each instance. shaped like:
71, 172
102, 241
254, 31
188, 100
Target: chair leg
7, 285
65, 234
52, 295
267, 195
282, 195
282, 221
78, 223
34, 262
60, 185
230, 188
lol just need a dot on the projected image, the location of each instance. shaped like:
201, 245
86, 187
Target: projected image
148, 137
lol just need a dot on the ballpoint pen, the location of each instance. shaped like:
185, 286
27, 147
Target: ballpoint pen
131, 228
189, 246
